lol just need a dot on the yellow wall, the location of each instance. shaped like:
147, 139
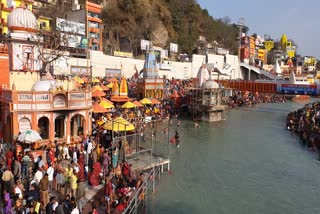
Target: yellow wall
24, 81
45, 20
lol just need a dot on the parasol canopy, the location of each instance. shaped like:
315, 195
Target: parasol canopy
104, 87
128, 105
29, 136
96, 87
137, 103
98, 93
106, 104
154, 101
145, 101
110, 85
97, 108
118, 125
95, 80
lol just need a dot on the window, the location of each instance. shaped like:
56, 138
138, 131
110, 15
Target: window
94, 15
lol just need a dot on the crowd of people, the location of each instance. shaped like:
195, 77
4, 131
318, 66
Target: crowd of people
239, 99
305, 122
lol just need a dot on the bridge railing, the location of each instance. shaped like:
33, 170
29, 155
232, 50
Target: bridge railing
249, 86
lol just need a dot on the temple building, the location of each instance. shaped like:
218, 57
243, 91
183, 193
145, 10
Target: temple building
120, 94
150, 85
57, 109
206, 98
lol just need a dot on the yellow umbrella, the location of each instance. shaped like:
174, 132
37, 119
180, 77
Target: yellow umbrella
96, 87
95, 80
128, 105
106, 104
145, 101
110, 85
119, 125
78, 79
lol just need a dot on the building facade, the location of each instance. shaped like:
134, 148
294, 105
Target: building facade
58, 110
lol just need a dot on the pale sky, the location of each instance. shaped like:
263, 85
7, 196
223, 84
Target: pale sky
300, 20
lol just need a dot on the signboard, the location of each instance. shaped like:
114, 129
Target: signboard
79, 70
269, 45
70, 26
110, 72
24, 124
145, 44
59, 101
70, 40
173, 48
297, 89
122, 54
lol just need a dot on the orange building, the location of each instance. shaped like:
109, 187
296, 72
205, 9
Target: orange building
58, 110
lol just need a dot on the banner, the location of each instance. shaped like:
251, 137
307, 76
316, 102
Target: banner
173, 48
122, 54
70, 26
145, 44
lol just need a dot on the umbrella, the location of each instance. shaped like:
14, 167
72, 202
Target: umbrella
137, 103
29, 136
98, 93
145, 101
104, 87
97, 108
78, 79
110, 85
174, 95
106, 100
128, 105
119, 124
96, 80
96, 87
106, 104
154, 101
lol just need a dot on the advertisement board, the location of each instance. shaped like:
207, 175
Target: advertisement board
70, 26
145, 44
297, 89
79, 70
111, 72
70, 40
173, 48
122, 54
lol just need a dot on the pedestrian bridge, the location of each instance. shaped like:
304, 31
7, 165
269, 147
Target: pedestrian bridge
249, 86
254, 73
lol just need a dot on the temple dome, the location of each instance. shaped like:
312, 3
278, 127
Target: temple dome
22, 19
210, 84
44, 85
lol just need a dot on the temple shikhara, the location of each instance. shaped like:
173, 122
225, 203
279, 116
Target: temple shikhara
150, 85
31, 100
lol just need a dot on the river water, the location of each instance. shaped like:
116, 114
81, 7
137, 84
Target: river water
247, 164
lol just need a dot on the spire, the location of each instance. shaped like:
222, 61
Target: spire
23, 5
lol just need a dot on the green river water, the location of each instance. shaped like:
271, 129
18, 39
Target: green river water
247, 164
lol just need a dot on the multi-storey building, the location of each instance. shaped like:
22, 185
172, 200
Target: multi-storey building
90, 15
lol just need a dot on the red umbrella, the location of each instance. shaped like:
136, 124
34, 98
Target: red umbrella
98, 93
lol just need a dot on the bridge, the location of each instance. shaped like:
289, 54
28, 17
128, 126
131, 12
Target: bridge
249, 86
254, 72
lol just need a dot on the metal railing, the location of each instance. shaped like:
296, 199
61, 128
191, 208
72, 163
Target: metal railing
141, 200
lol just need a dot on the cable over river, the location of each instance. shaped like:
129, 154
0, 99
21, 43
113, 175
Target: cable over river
249, 163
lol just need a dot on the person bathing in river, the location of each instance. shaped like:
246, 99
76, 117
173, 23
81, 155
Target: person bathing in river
177, 138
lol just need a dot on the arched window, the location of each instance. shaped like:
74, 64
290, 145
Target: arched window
77, 125
59, 127
43, 125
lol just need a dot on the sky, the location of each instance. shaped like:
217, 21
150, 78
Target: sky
299, 20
